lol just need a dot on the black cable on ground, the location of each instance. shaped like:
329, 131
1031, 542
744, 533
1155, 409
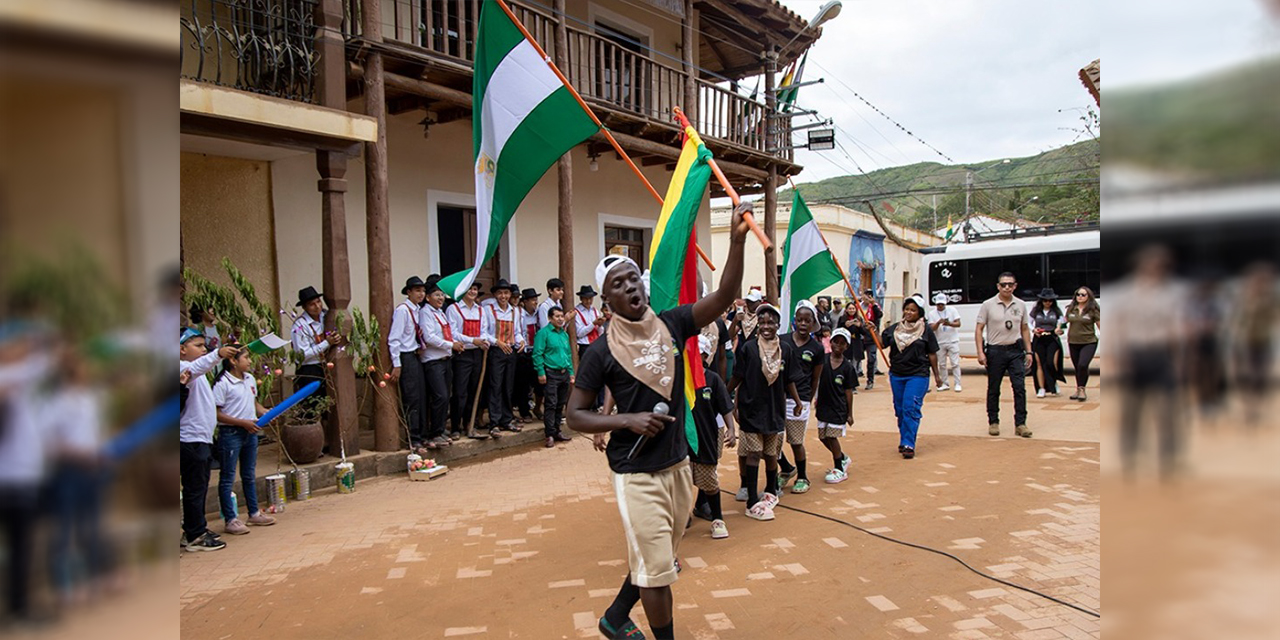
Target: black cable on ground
941, 553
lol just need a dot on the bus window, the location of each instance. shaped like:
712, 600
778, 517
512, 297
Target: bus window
1072, 269
983, 273
949, 277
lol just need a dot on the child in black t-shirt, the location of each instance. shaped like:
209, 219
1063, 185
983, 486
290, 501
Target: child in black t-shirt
808, 357
761, 376
713, 418
834, 405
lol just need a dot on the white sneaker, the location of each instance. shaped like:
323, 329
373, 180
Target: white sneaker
1040, 393
762, 511
944, 387
741, 495
770, 499
718, 530
836, 476
957, 387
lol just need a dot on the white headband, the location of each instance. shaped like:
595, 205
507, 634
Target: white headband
609, 263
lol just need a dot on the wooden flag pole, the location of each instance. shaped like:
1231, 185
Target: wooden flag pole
848, 285
728, 188
591, 114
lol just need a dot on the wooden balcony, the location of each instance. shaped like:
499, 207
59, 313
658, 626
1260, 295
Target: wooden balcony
432, 41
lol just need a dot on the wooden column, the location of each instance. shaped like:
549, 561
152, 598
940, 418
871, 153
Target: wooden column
687, 43
386, 419
771, 180
564, 174
331, 92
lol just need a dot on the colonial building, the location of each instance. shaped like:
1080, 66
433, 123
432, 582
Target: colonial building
328, 142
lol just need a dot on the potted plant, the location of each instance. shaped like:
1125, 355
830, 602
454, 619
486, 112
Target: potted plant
301, 434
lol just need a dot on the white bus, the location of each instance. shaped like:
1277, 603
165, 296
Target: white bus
1062, 257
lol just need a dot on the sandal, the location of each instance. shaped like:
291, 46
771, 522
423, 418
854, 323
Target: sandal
628, 630
908, 453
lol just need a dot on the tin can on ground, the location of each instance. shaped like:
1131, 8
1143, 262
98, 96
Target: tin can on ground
275, 489
346, 476
300, 479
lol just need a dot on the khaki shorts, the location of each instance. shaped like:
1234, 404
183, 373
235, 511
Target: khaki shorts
830, 430
769, 444
796, 424
654, 509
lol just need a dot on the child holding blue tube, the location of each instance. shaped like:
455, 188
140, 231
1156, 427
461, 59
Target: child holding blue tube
235, 393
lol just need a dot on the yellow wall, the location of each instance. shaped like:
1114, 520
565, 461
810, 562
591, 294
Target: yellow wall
60, 180
226, 211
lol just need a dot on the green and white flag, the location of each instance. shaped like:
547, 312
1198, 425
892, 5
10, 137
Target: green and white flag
523, 118
807, 264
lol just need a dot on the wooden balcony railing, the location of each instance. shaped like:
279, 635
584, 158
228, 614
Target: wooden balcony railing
262, 46
606, 73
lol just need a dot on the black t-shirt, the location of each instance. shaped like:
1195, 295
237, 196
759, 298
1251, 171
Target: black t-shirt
832, 405
761, 406
806, 358
599, 369
713, 400
915, 360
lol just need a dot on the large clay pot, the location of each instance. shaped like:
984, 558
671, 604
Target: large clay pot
303, 442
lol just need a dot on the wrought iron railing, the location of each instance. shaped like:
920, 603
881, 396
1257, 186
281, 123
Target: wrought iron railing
606, 72
262, 46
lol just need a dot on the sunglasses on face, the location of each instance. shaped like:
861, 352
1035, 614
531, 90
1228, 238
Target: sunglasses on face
1082, 295
1005, 285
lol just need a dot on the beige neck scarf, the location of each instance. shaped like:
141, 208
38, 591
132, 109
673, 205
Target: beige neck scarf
711, 334
904, 333
644, 348
749, 322
770, 358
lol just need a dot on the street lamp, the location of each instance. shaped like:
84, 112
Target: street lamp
1033, 199
825, 14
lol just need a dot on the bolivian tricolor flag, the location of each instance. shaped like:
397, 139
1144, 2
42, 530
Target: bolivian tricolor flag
673, 271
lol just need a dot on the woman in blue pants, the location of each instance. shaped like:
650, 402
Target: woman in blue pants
913, 352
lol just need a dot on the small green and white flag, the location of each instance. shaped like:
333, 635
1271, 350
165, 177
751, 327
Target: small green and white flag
807, 264
523, 119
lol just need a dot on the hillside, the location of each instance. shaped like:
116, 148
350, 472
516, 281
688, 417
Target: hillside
1219, 127
999, 188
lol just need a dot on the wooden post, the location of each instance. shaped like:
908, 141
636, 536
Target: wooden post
771, 181
331, 92
564, 174
688, 43
378, 222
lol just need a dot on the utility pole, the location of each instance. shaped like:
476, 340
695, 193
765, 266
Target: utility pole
935, 212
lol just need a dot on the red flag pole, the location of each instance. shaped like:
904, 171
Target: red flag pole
728, 188
591, 114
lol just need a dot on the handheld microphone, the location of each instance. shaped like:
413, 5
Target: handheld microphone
661, 409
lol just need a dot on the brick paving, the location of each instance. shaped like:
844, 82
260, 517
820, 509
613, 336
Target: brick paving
529, 545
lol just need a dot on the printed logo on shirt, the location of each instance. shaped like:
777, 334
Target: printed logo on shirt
706, 393
806, 356
839, 380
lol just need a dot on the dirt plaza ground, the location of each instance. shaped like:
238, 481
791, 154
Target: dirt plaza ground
529, 545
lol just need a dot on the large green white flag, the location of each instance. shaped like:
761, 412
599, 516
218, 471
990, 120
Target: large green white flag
523, 118
807, 264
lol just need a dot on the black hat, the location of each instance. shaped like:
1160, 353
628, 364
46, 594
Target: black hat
515, 289
1047, 293
413, 281
525, 294
307, 294
585, 291
500, 284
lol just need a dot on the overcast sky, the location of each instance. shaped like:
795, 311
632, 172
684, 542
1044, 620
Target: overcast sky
983, 79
